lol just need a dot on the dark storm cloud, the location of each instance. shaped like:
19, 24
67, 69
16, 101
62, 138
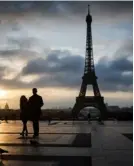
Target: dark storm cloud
19, 47
66, 71
8, 53
121, 64
111, 7
74, 7
19, 53
25, 6
55, 62
111, 75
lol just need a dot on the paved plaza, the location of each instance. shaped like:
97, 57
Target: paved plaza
65, 144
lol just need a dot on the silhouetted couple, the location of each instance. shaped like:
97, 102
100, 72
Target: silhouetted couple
31, 110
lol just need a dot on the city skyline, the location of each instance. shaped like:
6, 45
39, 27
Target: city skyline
43, 45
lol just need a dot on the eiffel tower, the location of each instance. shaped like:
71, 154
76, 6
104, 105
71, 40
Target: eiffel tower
89, 78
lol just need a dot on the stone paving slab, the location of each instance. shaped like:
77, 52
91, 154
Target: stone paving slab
99, 161
47, 151
110, 147
103, 153
57, 161
28, 163
119, 128
78, 140
128, 135
119, 159
17, 139
124, 129
65, 151
112, 161
110, 139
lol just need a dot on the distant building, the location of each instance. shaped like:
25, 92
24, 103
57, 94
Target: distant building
127, 109
6, 107
113, 108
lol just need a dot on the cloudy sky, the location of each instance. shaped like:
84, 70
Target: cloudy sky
42, 44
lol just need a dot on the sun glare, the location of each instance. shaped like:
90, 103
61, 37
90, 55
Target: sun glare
2, 93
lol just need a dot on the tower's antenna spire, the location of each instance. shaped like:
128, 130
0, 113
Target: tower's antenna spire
88, 9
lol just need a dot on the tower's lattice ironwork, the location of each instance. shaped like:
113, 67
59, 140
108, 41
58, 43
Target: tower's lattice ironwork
89, 78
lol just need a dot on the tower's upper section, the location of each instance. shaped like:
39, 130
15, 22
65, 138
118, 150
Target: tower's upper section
89, 63
88, 17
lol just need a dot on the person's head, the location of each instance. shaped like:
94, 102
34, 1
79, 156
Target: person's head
34, 91
23, 99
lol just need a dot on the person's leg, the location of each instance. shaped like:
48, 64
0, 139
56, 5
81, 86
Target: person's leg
24, 123
26, 128
36, 127
22, 133
23, 126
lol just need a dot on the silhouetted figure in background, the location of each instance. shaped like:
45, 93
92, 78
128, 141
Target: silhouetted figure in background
49, 119
89, 117
6, 119
24, 115
35, 104
73, 117
100, 120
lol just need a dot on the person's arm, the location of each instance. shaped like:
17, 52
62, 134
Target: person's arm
29, 102
20, 106
41, 102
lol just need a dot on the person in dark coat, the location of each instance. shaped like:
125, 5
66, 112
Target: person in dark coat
49, 119
89, 116
24, 114
35, 104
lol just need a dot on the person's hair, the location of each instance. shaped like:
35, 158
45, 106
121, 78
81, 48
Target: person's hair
35, 89
23, 99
